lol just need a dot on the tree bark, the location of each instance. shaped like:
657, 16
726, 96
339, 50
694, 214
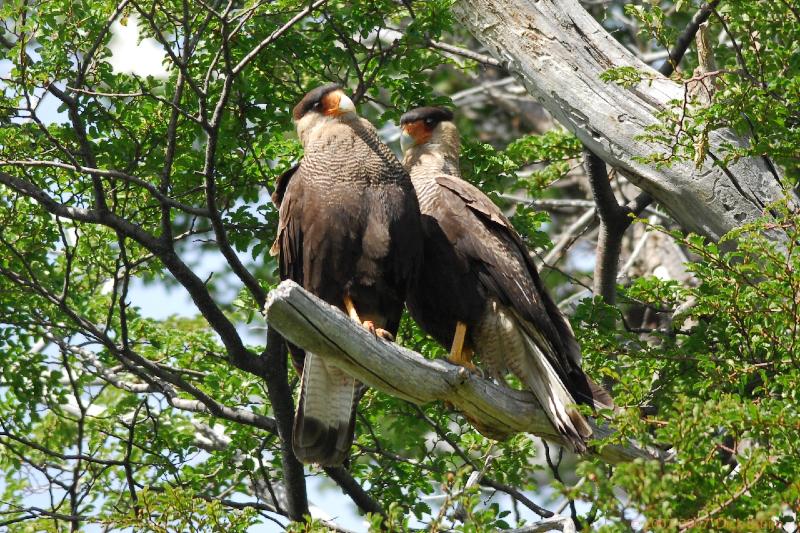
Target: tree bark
280, 397
316, 326
559, 52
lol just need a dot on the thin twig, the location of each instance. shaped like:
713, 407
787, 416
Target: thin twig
463, 52
275, 35
686, 38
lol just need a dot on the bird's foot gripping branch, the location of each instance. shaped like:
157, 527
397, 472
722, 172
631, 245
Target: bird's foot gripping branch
318, 327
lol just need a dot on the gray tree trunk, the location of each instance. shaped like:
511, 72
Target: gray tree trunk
559, 51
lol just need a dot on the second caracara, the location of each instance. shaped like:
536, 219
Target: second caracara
349, 232
478, 289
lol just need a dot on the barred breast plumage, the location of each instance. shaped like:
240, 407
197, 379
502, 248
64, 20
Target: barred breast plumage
349, 232
477, 271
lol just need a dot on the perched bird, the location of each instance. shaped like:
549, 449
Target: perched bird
478, 289
349, 232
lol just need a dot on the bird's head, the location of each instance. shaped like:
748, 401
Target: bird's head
320, 106
429, 127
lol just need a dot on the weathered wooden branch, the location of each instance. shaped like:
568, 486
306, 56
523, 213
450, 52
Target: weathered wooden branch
559, 51
615, 218
556, 523
314, 325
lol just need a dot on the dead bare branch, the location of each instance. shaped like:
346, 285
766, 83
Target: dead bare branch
314, 325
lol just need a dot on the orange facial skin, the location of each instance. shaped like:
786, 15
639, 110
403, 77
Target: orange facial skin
418, 131
330, 103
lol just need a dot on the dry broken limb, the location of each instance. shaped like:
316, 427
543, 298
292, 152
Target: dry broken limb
559, 52
615, 218
314, 325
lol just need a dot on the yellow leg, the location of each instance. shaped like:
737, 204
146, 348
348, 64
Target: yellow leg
368, 324
458, 354
351, 309
466, 359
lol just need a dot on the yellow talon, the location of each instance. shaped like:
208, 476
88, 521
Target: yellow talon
459, 355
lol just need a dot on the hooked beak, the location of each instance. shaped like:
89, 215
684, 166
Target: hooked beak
345, 105
337, 103
406, 140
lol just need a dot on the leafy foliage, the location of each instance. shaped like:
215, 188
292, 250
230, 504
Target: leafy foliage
752, 91
719, 384
114, 415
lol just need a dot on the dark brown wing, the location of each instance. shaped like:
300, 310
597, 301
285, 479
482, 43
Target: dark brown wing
447, 289
288, 245
318, 239
325, 417
507, 272
289, 237
349, 225
281, 183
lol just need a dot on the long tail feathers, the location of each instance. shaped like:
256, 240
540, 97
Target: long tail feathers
325, 419
559, 405
600, 396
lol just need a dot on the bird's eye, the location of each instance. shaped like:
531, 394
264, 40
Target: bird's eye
429, 122
317, 105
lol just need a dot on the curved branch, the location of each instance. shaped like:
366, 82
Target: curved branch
686, 38
280, 397
350, 486
149, 187
314, 325
239, 354
274, 36
92, 216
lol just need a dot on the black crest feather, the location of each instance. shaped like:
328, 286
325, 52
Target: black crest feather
312, 98
435, 114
